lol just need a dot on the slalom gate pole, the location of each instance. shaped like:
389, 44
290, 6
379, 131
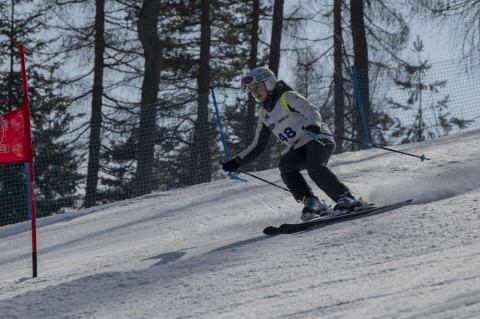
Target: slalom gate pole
222, 137
317, 137
219, 122
29, 173
263, 180
360, 107
32, 214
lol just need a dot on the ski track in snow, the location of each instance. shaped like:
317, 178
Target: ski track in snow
199, 252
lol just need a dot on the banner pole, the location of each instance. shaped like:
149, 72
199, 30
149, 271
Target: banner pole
32, 214
29, 164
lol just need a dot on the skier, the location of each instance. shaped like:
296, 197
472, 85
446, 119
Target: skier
286, 114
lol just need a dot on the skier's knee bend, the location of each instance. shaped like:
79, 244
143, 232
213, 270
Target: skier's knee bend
284, 167
297, 185
317, 172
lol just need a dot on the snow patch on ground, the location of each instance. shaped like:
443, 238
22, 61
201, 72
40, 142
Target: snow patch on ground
199, 252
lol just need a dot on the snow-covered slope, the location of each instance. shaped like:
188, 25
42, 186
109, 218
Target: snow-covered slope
199, 252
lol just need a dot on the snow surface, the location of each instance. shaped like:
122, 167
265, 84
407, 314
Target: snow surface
199, 252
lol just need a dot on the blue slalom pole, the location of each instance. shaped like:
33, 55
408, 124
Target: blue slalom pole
360, 106
220, 128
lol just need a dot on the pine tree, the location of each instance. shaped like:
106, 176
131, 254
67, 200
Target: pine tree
413, 80
335, 34
56, 165
103, 55
183, 88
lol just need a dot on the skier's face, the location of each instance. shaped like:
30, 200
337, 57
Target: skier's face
259, 91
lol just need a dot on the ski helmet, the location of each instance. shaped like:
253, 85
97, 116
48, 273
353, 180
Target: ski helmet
262, 75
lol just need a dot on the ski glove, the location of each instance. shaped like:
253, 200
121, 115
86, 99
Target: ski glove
230, 165
313, 128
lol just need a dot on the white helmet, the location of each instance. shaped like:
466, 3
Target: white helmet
262, 75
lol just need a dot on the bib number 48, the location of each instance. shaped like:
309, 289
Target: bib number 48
287, 133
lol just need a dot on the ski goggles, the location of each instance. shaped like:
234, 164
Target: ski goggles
249, 82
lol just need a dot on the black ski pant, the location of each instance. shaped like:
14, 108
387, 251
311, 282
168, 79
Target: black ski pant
313, 157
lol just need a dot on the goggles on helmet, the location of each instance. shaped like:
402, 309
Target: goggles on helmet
249, 82
258, 76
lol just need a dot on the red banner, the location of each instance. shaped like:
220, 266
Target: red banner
15, 136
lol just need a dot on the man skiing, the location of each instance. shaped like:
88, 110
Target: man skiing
287, 115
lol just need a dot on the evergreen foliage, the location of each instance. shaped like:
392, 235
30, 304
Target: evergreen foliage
412, 79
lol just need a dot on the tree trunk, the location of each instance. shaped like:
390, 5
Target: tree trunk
360, 49
337, 76
252, 63
152, 47
96, 119
264, 160
276, 39
201, 162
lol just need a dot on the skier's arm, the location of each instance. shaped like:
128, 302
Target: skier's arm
313, 119
258, 145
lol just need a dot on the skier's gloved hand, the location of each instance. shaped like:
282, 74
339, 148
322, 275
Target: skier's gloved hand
313, 128
230, 165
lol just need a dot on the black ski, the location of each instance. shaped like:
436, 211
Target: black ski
331, 219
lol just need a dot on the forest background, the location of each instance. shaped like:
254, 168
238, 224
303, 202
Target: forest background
121, 91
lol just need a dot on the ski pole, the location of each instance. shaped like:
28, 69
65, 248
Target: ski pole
263, 180
222, 137
317, 137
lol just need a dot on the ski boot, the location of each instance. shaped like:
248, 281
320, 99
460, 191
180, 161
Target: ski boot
348, 203
313, 208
